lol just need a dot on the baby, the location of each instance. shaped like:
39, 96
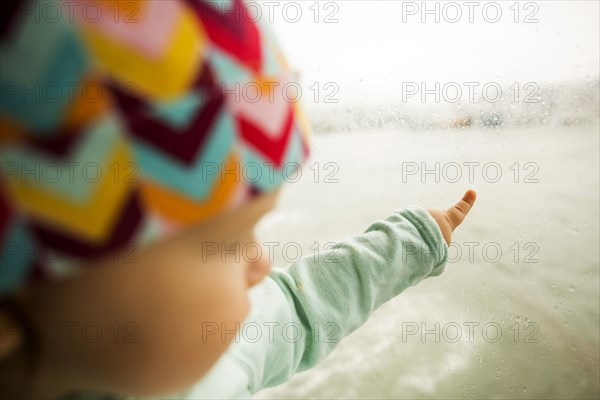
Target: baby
126, 141
300, 313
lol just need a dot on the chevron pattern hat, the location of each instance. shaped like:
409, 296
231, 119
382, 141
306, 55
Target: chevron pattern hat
121, 122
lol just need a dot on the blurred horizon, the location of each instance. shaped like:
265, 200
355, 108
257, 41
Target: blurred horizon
363, 53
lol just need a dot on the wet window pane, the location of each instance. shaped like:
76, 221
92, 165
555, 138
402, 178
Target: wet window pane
413, 103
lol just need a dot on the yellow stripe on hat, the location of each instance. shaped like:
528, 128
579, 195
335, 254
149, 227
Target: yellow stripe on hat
165, 76
92, 220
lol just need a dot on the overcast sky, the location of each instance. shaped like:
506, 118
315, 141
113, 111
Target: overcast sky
370, 47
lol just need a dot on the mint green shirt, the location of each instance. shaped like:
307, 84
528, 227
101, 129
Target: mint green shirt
300, 313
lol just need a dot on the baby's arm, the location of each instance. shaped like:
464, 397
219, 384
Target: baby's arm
327, 301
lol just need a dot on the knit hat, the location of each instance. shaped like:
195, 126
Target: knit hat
121, 122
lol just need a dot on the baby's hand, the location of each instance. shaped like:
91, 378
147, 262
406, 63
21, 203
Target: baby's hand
450, 219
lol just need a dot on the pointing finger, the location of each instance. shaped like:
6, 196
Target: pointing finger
458, 212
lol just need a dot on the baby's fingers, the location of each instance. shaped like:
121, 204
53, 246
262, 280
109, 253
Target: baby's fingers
457, 213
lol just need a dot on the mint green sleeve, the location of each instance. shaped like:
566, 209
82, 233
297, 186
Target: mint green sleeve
300, 313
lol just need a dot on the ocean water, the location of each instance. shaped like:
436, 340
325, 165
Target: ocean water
516, 313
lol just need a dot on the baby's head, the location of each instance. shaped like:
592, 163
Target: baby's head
177, 309
147, 185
